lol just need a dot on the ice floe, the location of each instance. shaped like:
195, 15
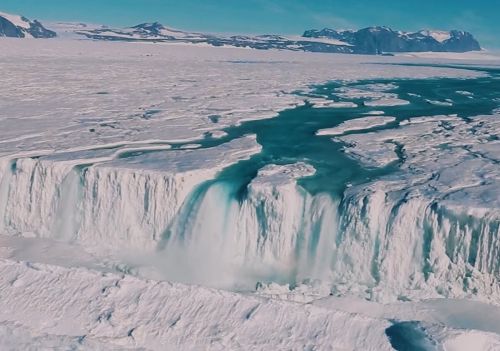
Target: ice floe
357, 124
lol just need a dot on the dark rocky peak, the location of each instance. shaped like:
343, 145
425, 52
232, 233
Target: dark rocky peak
15, 26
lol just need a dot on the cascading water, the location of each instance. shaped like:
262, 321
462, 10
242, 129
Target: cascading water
68, 218
296, 208
277, 232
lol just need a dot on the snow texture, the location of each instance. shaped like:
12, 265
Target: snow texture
357, 124
107, 192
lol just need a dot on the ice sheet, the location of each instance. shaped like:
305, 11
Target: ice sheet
89, 128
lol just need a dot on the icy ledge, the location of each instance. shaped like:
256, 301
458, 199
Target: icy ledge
402, 237
97, 197
433, 227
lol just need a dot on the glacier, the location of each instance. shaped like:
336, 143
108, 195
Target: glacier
149, 209
444, 209
66, 196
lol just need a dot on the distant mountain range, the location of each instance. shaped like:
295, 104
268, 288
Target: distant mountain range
368, 41
376, 40
20, 27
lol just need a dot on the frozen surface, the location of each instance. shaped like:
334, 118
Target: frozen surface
101, 311
373, 94
106, 93
357, 124
319, 40
319, 102
447, 187
123, 311
114, 180
472, 56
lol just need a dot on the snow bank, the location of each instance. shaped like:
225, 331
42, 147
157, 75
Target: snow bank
92, 309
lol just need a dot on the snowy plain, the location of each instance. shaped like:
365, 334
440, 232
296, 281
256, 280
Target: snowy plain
97, 280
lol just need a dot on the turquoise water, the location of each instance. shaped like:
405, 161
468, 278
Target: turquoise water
290, 137
410, 336
206, 222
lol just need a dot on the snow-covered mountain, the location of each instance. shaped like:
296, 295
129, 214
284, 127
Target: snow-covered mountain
375, 40
156, 32
15, 26
371, 40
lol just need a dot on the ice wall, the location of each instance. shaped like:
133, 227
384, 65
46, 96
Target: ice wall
434, 224
402, 242
413, 234
113, 202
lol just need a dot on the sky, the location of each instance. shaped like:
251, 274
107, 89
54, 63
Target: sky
275, 16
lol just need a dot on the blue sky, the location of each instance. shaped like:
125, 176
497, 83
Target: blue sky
275, 16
